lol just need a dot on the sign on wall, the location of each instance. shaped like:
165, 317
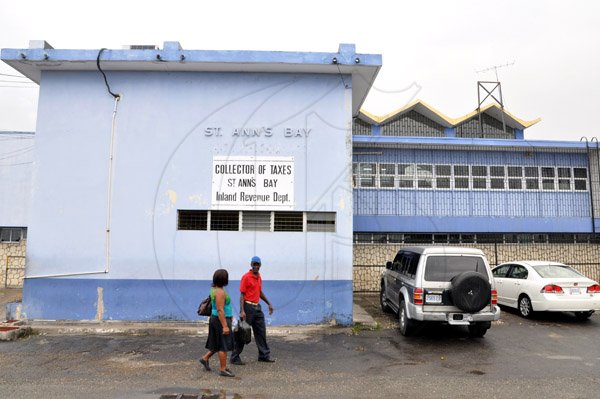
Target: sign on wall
252, 182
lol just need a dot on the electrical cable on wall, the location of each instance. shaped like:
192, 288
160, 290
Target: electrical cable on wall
340, 73
107, 242
116, 96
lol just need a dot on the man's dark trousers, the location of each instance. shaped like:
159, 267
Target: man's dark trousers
256, 318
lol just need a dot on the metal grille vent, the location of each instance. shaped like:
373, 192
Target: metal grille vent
225, 220
192, 220
140, 47
289, 221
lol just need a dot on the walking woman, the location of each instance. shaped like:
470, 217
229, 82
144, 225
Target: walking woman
220, 337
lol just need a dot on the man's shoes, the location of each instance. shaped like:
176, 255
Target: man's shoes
238, 362
205, 364
266, 360
226, 373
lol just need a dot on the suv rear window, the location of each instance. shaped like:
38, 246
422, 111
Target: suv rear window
443, 268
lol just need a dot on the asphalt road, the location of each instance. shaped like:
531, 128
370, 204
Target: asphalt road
550, 356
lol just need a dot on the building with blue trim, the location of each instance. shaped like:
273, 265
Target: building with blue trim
155, 167
420, 177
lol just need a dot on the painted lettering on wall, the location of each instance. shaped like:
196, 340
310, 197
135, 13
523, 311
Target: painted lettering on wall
262, 131
252, 182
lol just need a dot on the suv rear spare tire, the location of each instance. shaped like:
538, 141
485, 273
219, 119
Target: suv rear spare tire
470, 291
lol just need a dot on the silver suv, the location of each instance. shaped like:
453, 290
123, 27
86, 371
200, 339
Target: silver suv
450, 285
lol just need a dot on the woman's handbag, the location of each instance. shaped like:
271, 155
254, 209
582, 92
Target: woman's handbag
205, 307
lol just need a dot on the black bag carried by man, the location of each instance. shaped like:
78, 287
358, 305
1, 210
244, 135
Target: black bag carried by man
242, 332
205, 307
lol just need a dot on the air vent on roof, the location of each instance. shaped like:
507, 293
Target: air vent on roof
140, 47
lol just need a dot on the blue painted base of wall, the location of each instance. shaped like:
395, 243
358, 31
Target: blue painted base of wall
295, 302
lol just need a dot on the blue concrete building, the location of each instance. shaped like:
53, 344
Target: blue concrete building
155, 167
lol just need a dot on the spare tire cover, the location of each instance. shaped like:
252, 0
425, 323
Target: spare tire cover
470, 291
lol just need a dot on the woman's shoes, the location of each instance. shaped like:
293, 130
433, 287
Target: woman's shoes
226, 373
205, 364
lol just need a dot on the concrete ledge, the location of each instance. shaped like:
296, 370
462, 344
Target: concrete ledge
13, 330
50, 327
360, 316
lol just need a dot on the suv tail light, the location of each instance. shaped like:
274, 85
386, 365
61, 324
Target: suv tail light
418, 296
552, 289
593, 289
494, 297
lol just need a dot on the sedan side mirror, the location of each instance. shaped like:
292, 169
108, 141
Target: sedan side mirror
388, 265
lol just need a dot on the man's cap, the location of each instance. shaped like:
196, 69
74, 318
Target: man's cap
255, 259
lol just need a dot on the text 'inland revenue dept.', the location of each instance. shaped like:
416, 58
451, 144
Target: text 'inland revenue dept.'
247, 182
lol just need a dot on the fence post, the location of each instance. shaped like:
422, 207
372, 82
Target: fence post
495, 253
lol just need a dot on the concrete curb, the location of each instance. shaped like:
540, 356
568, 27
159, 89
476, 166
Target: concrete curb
193, 328
166, 328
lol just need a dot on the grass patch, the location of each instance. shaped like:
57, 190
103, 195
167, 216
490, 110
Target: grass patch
358, 327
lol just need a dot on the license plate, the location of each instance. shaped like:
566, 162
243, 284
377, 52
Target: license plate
433, 298
575, 291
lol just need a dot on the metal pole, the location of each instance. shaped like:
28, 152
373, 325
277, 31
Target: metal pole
479, 109
597, 170
587, 148
501, 106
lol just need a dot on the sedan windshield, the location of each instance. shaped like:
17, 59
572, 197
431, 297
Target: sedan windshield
443, 268
556, 271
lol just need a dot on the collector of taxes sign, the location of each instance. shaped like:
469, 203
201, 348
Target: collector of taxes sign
252, 182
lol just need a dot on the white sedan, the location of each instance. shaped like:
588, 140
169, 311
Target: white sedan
532, 286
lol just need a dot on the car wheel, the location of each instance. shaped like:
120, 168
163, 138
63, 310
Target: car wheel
581, 316
470, 291
478, 330
383, 300
525, 308
407, 326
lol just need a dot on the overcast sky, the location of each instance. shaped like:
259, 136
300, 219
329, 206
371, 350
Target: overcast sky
431, 49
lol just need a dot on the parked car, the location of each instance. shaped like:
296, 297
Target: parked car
532, 286
448, 285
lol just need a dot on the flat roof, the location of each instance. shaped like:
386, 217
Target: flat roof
40, 56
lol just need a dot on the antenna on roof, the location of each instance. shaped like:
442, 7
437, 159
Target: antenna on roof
489, 88
495, 69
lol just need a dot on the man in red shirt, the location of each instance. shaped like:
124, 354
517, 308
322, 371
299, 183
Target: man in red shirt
250, 295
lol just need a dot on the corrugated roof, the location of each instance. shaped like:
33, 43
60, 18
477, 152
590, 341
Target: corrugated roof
430, 112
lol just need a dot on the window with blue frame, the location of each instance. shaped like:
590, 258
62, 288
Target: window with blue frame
420, 176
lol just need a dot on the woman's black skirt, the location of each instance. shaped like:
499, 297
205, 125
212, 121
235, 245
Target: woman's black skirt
216, 341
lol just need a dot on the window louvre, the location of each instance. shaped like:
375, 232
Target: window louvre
250, 221
320, 221
256, 221
464, 177
13, 234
